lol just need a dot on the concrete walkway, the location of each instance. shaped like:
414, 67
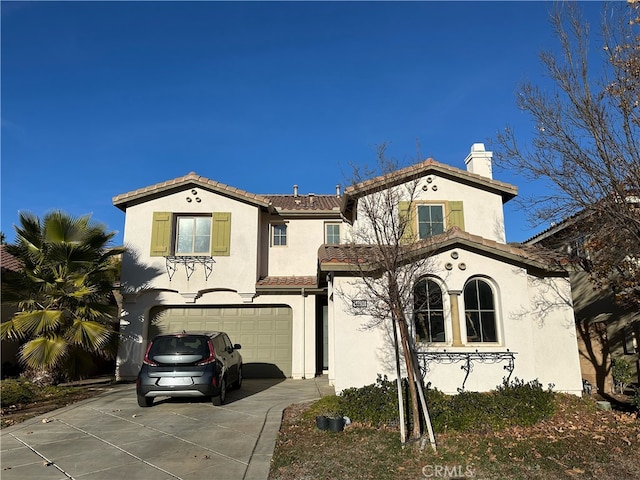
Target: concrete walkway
109, 437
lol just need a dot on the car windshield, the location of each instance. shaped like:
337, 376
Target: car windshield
180, 345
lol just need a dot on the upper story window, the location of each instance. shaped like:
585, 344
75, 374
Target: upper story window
430, 220
184, 234
279, 232
193, 235
428, 311
479, 311
421, 219
332, 233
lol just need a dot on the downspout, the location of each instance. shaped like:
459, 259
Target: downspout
304, 333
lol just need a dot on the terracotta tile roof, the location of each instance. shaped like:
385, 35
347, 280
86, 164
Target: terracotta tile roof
287, 282
8, 261
338, 257
308, 202
508, 191
192, 178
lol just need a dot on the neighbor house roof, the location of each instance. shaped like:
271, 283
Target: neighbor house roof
346, 257
300, 204
8, 262
421, 169
280, 284
122, 201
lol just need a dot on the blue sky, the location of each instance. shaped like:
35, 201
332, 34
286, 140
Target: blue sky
101, 98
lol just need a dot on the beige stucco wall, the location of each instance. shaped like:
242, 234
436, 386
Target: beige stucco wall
300, 255
533, 321
237, 272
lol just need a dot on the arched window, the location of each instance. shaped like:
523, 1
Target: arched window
428, 313
479, 311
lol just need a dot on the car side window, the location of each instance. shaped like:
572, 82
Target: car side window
227, 343
218, 345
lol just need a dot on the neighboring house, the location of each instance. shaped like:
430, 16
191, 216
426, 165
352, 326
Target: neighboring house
605, 329
268, 269
9, 265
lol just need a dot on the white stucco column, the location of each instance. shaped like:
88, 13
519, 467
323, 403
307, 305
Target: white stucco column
454, 296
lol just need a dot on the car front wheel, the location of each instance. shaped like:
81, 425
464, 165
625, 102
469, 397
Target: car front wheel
218, 400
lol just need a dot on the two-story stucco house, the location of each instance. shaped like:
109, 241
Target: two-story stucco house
268, 270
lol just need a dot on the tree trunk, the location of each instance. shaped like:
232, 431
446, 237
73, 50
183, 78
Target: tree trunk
408, 358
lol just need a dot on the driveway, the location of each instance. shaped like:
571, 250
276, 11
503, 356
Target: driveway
109, 437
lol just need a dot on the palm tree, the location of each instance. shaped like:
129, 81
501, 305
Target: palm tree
63, 293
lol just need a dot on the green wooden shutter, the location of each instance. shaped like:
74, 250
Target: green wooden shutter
221, 234
406, 216
160, 234
456, 215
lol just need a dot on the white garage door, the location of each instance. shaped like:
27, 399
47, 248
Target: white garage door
264, 332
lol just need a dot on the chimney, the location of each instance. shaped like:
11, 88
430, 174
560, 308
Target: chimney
295, 190
312, 198
337, 190
479, 161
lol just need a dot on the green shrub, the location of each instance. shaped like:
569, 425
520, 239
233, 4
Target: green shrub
331, 406
375, 404
516, 403
20, 390
512, 403
527, 402
622, 373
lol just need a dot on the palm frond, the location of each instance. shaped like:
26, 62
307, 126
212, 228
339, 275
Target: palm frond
43, 352
37, 322
88, 334
8, 331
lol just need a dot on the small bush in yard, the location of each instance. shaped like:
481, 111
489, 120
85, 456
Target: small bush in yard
14, 391
622, 373
516, 403
375, 404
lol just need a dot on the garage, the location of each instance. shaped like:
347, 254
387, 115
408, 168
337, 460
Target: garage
264, 332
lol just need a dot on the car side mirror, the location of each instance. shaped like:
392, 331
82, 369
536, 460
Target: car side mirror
237, 346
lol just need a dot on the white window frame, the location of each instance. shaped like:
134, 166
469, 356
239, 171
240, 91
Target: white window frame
326, 233
481, 310
431, 205
176, 234
275, 227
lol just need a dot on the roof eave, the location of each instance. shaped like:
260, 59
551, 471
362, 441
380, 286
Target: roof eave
125, 200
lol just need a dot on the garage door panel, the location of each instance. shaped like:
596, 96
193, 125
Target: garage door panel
265, 333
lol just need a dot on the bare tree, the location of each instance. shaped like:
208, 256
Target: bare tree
380, 251
586, 143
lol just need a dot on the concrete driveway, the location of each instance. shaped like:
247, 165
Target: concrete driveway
109, 437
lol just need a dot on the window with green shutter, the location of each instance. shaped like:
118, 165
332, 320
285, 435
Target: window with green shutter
221, 234
191, 234
161, 234
406, 220
456, 215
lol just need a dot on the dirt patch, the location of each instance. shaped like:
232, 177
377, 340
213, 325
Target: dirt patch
579, 441
18, 413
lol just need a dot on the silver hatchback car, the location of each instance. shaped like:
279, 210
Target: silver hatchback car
189, 364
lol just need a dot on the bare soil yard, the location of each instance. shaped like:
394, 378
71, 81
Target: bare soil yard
579, 441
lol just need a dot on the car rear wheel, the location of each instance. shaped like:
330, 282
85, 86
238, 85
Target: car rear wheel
144, 401
238, 383
220, 399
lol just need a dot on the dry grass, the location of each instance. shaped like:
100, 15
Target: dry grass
579, 441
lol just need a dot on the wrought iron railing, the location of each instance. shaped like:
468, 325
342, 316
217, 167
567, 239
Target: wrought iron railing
189, 263
468, 360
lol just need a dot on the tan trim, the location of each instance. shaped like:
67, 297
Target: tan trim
454, 296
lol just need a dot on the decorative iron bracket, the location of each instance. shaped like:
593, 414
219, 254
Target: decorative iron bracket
468, 359
189, 263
